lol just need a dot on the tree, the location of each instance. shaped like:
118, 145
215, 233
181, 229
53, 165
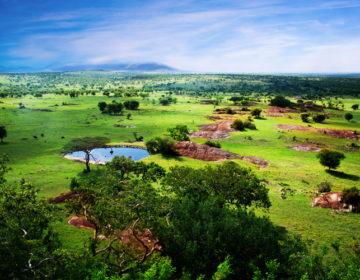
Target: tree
102, 106
348, 116
27, 242
256, 113
131, 105
305, 117
319, 118
179, 133
351, 197
280, 101
355, 106
330, 158
236, 99
3, 133
114, 107
86, 144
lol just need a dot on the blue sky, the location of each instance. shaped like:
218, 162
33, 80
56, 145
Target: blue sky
262, 36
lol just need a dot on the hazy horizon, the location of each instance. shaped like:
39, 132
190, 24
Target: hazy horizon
262, 37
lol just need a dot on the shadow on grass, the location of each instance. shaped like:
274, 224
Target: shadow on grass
343, 175
176, 157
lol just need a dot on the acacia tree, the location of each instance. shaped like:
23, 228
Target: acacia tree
86, 144
3, 133
330, 158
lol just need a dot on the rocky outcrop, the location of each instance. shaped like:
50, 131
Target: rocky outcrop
207, 153
80, 222
331, 200
214, 131
64, 196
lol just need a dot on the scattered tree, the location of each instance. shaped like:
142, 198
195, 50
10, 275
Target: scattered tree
355, 107
131, 105
102, 105
3, 133
161, 145
256, 113
179, 133
348, 116
330, 158
305, 117
280, 101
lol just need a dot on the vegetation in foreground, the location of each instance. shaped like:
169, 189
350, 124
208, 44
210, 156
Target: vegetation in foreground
33, 140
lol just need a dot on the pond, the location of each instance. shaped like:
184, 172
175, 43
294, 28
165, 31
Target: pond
102, 155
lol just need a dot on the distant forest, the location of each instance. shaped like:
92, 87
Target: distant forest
80, 83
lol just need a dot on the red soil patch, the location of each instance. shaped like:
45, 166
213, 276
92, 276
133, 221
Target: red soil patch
278, 115
214, 118
80, 222
214, 131
280, 110
145, 236
331, 200
207, 153
338, 133
306, 148
63, 197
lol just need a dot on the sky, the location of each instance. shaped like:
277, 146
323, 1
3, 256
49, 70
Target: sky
235, 36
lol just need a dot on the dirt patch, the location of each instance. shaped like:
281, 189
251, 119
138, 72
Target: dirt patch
214, 118
207, 153
63, 197
278, 115
214, 131
306, 148
280, 110
146, 236
80, 222
338, 133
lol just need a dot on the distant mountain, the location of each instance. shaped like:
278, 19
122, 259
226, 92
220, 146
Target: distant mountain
4, 69
118, 67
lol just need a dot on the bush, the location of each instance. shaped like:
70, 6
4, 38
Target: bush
305, 117
131, 105
324, 187
319, 118
229, 111
256, 113
162, 145
179, 133
213, 144
238, 125
249, 125
352, 197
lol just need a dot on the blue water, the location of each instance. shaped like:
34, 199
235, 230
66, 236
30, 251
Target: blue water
104, 155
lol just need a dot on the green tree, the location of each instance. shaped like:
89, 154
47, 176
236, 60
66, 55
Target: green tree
348, 116
280, 101
179, 133
355, 106
102, 106
27, 242
3, 133
319, 118
86, 144
131, 105
330, 158
256, 113
305, 117
161, 145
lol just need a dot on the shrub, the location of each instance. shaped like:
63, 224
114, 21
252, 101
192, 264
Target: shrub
324, 187
355, 106
330, 158
249, 125
162, 145
305, 117
213, 144
352, 197
229, 111
179, 133
319, 118
131, 105
256, 113
238, 125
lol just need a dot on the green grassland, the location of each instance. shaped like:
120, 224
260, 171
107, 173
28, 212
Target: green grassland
40, 161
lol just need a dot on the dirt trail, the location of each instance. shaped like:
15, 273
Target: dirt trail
207, 153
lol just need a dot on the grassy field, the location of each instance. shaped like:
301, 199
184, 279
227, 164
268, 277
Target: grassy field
39, 160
